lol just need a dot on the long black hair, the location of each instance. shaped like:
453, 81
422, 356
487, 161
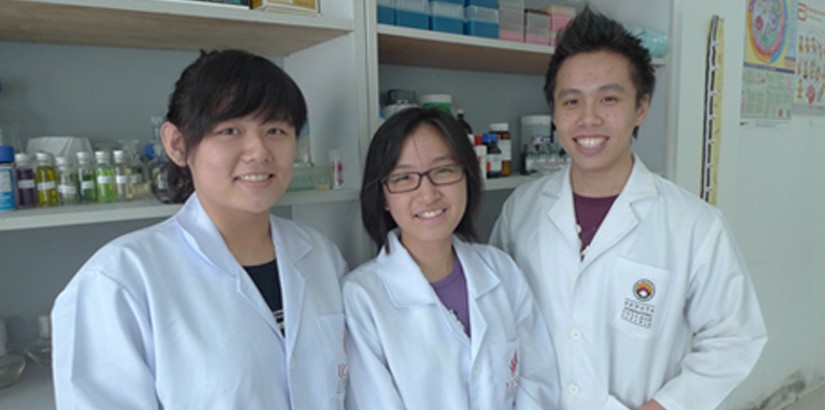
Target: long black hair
222, 85
382, 157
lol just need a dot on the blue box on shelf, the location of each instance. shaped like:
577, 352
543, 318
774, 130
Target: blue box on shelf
414, 19
481, 28
386, 14
452, 1
447, 24
482, 3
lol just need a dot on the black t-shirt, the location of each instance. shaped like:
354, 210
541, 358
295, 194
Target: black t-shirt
267, 279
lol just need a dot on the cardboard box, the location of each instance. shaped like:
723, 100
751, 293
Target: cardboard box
288, 6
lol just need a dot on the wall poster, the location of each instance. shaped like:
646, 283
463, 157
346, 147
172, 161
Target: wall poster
809, 94
768, 76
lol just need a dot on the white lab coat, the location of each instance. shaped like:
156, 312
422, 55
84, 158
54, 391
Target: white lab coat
617, 350
408, 352
165, 317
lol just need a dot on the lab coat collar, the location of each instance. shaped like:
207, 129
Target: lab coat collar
291, 246
407, 285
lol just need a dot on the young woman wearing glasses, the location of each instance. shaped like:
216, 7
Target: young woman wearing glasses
437, 320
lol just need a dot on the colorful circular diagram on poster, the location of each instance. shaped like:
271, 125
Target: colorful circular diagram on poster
766, 28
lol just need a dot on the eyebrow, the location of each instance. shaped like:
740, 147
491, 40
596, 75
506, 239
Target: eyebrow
607, 87
433, 162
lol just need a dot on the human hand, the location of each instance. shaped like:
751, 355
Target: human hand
652, 405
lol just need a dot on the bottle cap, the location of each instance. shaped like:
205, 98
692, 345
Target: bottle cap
6, 153
84, 156
120, 155
102, 156
61, 161
499, 127
42, 156
22, 159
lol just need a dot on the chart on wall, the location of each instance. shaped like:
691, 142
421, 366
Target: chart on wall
768, 76
809, 94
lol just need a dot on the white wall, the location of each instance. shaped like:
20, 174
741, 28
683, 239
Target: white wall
770, 191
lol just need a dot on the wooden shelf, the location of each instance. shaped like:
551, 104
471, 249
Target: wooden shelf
424, 48
136, 210
165, 24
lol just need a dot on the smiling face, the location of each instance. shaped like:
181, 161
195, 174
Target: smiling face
241, 167
595, 113
429, 215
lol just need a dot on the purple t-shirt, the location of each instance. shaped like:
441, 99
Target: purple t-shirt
590, 213
452, 291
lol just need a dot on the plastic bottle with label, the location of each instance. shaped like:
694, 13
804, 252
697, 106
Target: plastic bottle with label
502, 130
45, 176
67, 182
490, 139
87, 180
105, 178
7, 183
26, 186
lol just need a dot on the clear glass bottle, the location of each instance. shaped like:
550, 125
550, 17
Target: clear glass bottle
67, 185
123, 177
40, 350
86, 177
46, 178
11, 366
159, 173
105, 178
26, 187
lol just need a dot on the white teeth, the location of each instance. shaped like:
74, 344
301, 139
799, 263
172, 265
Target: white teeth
590, 142
254, 178
431, 214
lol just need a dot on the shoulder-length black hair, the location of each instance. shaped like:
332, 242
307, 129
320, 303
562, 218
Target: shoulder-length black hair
382, 157
222, 85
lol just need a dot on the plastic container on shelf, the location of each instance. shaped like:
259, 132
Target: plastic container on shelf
536, 27
443, 102
482, 3
481, 21
412, 13
447, 17
386, 11
511, 22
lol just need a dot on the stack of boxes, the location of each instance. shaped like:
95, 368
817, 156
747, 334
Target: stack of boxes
504, 19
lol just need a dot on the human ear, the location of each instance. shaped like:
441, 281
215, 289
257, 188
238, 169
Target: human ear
173, 143
642, 109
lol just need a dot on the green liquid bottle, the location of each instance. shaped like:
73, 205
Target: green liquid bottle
105, 177
87, 178
45, 177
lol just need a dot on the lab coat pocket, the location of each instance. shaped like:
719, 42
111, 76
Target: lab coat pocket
506, 368
638, 296
333, 332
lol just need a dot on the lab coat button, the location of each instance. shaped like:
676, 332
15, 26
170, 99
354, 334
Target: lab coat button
573, 388
576, 334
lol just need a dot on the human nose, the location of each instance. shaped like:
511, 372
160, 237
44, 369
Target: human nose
255, 148
427, 191
590, 114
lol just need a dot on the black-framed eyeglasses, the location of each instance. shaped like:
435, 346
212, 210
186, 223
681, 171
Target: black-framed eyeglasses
410, 181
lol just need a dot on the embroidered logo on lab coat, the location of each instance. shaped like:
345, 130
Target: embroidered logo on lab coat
644, 290
640, 312
512, 385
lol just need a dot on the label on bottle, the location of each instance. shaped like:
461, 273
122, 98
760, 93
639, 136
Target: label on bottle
105, 179
87, 185
6, 189
122, 179
65, 189
506, 150
25, 184
493, 165
46, 186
